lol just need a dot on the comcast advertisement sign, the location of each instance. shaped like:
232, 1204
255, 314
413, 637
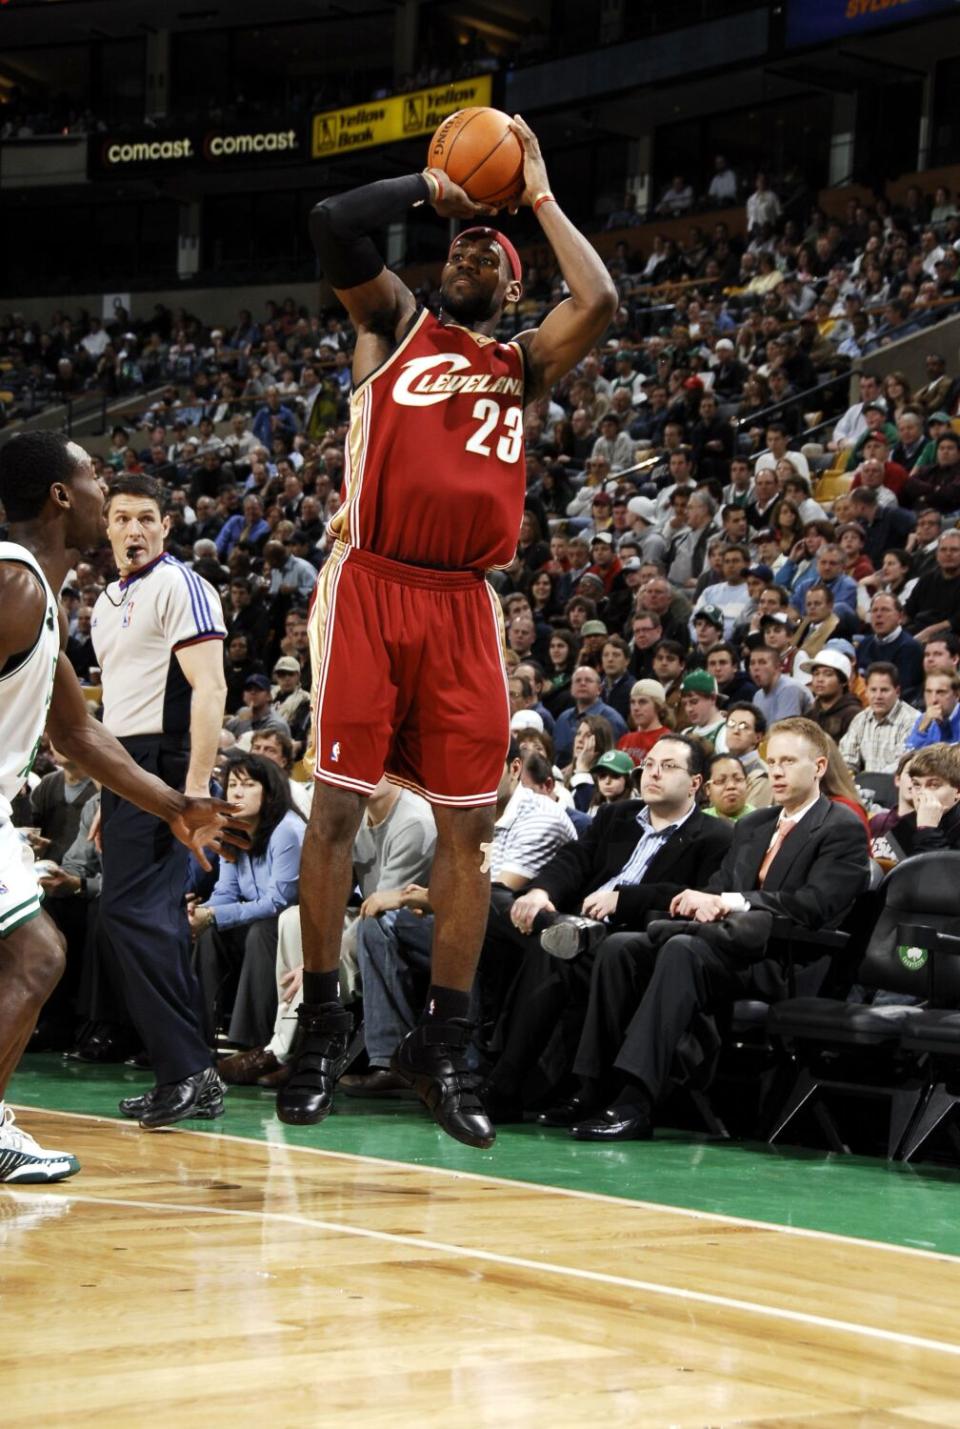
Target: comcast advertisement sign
195, 148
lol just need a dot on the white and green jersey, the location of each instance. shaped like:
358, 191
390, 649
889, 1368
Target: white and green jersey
26, 687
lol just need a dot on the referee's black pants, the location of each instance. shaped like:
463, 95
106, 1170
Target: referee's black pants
143, 918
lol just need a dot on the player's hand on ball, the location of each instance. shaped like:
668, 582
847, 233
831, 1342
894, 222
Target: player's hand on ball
535, 181
455, 202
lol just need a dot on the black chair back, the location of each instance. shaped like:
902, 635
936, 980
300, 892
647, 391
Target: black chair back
877, 789
920, 894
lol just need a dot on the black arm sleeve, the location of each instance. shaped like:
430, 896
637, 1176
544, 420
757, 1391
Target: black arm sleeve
340, 227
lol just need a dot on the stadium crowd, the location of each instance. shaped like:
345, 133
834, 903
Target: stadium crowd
713, 543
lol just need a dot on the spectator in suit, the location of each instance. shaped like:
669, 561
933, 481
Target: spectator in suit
627, 864
643, 1002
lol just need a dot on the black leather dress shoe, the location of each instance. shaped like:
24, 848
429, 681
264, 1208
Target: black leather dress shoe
101, 1047
432, 1059
319, 1055
617, 1123
570, 935
199, 1096
502, 1108
575, 1109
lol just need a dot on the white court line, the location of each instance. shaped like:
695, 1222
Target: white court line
803, 1232
541, 1267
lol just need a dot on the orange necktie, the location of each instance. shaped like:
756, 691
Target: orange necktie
784, 829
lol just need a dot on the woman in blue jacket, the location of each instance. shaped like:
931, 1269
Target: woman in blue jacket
236, 929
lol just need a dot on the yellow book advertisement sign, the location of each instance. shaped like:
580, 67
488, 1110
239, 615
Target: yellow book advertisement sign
384, 121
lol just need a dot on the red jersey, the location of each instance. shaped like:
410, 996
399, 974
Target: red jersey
435, 472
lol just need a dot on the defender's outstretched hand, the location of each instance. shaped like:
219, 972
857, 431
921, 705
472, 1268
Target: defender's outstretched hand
535, 181
205, 824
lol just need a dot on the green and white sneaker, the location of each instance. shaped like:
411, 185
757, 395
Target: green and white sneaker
22, 1161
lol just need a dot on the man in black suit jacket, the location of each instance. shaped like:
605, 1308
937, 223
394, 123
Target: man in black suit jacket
805, 858
631, 861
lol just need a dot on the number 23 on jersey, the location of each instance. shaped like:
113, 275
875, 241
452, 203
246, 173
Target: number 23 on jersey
505, 436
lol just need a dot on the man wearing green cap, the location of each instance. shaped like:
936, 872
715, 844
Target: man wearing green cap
938, 422
699, 699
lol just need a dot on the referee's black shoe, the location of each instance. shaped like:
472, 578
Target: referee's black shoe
432, 1060
319, 1056
199, 1096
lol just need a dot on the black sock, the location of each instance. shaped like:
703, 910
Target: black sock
633, 1096
321, 987
443, 1003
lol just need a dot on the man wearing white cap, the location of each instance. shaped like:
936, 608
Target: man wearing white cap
642, 512
729, 375
834, 707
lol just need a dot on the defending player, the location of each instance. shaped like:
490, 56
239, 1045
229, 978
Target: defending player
54, 505
405, 632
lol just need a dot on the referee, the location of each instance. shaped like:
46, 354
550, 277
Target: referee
158, 634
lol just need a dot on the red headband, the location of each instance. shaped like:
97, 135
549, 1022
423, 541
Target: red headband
513, 257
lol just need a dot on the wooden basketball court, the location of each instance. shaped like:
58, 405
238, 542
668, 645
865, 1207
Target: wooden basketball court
184, 1279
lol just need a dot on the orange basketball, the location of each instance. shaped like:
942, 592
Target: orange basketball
480, 153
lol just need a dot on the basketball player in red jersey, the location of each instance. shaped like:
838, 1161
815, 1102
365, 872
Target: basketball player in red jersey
405, 632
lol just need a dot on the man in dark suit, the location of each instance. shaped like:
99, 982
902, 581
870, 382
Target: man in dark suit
631, 861
805, 858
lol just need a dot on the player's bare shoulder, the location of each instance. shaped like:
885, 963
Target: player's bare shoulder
24, 604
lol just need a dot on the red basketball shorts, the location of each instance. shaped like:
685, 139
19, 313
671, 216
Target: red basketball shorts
409, 679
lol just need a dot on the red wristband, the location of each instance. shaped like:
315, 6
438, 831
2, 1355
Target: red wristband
541, 199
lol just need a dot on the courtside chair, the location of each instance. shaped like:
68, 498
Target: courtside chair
750, 1064
861, 1048
935, 1035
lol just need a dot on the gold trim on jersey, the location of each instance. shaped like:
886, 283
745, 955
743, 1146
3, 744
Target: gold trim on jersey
344, 525
318, 629
480, 338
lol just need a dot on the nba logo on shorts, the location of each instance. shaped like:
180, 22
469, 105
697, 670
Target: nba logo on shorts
335, 753
4, 888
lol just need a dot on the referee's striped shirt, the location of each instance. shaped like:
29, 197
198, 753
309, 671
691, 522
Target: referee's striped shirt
138, 626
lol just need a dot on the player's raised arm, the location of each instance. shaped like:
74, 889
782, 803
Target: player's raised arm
340, 229
569, 332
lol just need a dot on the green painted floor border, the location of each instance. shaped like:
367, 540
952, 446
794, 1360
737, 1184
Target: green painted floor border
911, 1206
